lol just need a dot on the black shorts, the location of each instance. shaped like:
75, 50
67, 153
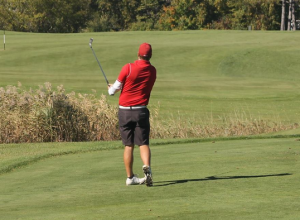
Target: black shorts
134, 126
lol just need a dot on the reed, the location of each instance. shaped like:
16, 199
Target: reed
239, 123
48, 115
52, 115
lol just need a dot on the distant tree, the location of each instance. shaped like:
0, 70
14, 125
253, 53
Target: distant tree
184, 15
221, 14
126, 14
106, 15
291, 18
293, 15
261, 16
61, 15
289, 15
3, 15
16, 15
44, 15
147, 15
282, 26
116, 14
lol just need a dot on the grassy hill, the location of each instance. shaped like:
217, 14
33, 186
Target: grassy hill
201, 74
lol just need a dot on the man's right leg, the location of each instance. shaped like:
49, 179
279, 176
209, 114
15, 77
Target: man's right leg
142, 133
128, 162
145, 153
146, 158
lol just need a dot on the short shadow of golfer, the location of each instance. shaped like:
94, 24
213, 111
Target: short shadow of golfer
210, 178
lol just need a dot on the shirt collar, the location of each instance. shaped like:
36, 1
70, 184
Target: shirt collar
143, 61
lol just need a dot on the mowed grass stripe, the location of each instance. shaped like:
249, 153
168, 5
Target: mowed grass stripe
240, 179
200, 73
16, 156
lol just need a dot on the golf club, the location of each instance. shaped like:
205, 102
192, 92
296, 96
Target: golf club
91, 41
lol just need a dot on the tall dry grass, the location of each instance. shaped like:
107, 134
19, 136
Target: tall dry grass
235, 124
51, 115
48, 115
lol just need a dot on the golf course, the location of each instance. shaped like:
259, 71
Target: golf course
211, 78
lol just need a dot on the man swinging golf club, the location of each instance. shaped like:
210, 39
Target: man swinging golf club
136, 81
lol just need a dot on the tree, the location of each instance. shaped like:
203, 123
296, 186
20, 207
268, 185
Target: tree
293, 15
64, 16
260, 15
107, 15
147, 15
185, 15
44, 15
127, 14
16, 15
282, 26
290, 15
220, 14
116, 14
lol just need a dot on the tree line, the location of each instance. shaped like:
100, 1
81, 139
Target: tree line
291, 22
71, 16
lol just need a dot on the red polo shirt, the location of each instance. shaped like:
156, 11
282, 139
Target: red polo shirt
138, 79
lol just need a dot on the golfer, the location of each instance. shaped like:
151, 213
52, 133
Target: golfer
136, 81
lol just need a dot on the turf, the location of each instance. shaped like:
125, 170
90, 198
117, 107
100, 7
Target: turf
215, 179
200, 73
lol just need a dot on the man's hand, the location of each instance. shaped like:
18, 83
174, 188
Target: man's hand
113, 88
108, 87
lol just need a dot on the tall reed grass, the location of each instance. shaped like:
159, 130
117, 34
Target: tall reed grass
47, 115
239, 123
51, 115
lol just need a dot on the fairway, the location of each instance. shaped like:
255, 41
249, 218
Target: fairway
201, 75
229, 179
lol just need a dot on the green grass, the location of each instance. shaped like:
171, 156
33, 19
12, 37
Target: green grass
200, 73
214, 179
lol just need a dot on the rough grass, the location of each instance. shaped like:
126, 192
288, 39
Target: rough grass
52, 115
47, 115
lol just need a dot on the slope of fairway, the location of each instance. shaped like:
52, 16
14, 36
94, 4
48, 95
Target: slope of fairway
200, 73
240, 179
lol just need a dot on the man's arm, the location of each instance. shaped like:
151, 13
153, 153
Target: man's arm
113, 88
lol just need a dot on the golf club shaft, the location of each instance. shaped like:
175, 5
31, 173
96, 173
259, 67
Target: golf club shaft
100, 66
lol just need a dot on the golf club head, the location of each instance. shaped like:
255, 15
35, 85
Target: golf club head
91, 41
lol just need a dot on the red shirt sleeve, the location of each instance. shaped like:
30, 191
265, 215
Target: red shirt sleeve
125, 71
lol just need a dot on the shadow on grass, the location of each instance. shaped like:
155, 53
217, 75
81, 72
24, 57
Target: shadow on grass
172, 182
